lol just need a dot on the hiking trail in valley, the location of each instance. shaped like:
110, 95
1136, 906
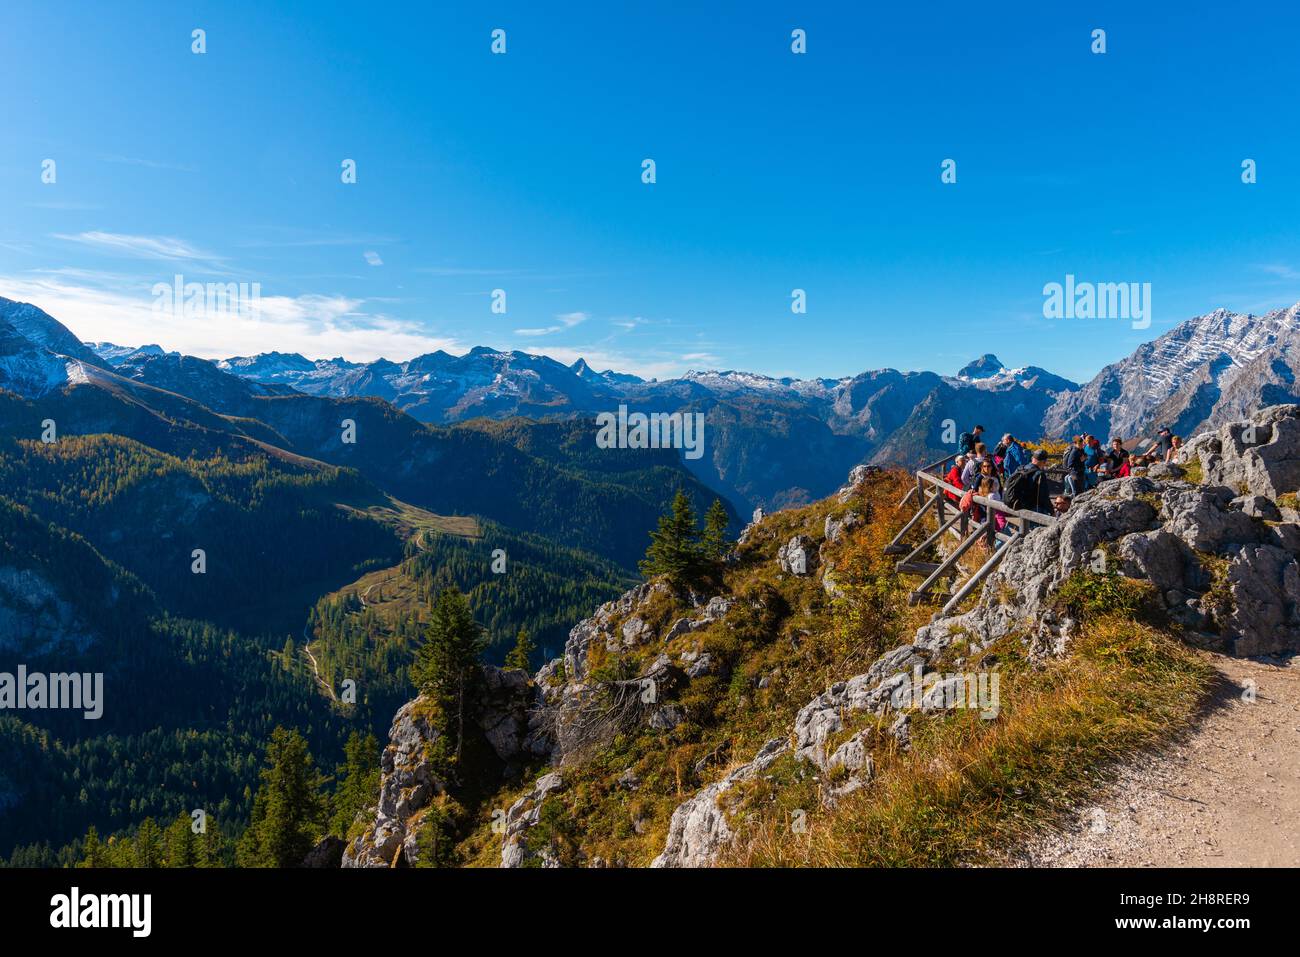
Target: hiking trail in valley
1226, 795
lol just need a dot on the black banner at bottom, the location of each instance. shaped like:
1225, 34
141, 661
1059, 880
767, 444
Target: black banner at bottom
331, 907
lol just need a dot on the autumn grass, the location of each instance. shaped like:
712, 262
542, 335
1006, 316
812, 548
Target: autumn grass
970, 789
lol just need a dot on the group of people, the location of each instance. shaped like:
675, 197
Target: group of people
1087, 464
1009, 473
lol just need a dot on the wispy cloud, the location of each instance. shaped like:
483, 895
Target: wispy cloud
290, 238
565, 321
149, 164
318, 326
141, 247
648, 367
372, 257
1279, 270
448, 271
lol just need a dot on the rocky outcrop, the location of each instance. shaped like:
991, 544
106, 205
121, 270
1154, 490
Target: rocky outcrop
1220, 566
34, 619
837, 525
521, 816
506, 710
407, 785
857, 477
615, 625
699, 830
505, 713
1259, 456
797, 556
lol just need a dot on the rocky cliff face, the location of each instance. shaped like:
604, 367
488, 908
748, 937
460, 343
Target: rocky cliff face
1222, 558
408, 783
1222, 555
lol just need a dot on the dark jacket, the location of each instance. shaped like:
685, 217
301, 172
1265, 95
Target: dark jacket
1031, 484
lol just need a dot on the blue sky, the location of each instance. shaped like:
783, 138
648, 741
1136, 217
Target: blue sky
775, 172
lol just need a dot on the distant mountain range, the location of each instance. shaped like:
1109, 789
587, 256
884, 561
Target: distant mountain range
769, 441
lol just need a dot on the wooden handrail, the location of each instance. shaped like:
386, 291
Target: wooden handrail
1036, 517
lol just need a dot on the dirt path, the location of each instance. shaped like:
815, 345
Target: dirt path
1227, 796
306, 636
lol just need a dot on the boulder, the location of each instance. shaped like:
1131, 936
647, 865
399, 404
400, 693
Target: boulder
1257, 506
837, 525
1160, 557
1259, 456
797, 556
1201, 517
1264, 584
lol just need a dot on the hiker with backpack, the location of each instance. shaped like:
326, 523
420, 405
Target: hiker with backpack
1027, 488
1013, 455
1076, 468
968, 440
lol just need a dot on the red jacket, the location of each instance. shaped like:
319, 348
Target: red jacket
953, 478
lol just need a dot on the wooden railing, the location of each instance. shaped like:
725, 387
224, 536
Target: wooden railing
932, 492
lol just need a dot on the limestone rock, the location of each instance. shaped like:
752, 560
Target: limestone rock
837, 525
698, 830
407, 785
797, 556
1259, 456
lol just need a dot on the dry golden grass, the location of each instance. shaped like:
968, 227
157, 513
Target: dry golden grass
969, 788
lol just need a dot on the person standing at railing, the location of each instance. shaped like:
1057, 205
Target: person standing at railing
1013, 455
972, 467
1027, 489
954, 478
990, 489
988, 471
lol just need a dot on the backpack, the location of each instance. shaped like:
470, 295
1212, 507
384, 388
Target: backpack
966, 443
1022, 488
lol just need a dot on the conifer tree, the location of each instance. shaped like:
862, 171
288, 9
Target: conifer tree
519, 655
92, 852
179, 846
713, 543
358, 782
287, 807
674, 550
211, 848
446, 665
148, 844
